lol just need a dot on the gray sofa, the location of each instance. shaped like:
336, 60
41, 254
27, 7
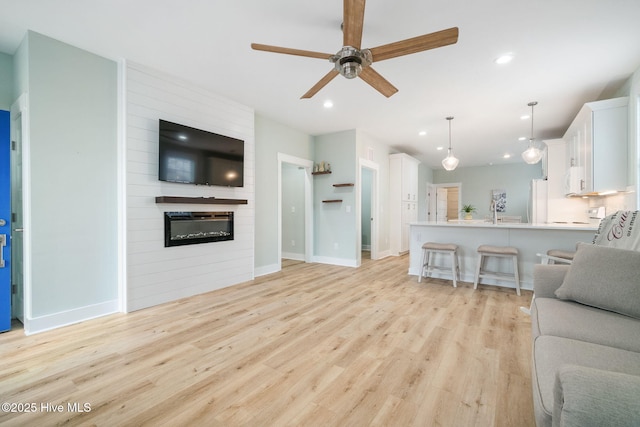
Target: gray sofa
585, 325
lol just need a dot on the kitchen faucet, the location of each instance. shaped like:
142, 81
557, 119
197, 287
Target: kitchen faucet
494, 211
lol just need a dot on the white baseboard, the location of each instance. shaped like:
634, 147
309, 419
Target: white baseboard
293, 256
266, 269
384, 254
335, 261
57, 320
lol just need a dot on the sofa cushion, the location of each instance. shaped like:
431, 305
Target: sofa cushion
593, 397
568, 319
607, 278
550, 353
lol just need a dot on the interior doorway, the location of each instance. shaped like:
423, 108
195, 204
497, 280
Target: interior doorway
444, 201
367, 210
295, 209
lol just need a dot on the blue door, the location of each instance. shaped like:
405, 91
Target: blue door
5, 222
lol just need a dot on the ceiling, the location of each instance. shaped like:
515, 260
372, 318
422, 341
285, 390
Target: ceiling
565, 53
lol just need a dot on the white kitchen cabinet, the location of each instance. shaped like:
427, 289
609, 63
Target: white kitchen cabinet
597, 147
403, 200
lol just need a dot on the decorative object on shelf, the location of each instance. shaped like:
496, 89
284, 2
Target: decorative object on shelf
321, 167
468, 211
450, 162
315, 168
533, 154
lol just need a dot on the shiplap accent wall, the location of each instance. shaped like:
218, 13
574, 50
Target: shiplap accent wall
156, 274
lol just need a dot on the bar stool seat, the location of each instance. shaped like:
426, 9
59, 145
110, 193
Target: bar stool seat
501, 252
559, 253
440, 248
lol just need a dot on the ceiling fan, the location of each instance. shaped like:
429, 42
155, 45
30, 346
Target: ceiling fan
352, 61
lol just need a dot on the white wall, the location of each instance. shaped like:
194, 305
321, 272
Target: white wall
335, 233
156, 274
272, 138
6, 81
70, 163
477, 183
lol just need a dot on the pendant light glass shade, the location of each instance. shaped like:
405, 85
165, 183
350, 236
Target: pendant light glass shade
450, 162
532, 154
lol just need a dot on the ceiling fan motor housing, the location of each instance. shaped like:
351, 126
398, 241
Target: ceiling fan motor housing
350, 61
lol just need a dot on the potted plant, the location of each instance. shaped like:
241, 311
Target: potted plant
468, 210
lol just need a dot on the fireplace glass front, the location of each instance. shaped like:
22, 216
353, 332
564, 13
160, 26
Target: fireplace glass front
190, 228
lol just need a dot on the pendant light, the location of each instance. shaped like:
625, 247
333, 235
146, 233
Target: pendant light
533, 154
450, 162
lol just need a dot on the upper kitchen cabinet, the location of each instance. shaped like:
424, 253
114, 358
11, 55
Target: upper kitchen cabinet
404, 169
597, 148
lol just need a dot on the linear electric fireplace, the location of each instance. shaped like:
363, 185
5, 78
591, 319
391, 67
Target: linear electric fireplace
190, 228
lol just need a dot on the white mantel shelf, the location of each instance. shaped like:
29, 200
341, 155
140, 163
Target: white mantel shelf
200, 200
530, 239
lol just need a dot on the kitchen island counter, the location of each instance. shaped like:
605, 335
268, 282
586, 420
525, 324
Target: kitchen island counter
530, 239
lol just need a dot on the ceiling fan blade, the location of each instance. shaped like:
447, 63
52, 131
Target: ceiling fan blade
416, 44
378, 82
353, 21
289, 51
322, 83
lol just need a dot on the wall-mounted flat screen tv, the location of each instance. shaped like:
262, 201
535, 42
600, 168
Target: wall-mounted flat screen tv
194, 156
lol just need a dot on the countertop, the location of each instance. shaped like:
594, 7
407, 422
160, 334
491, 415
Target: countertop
520, 225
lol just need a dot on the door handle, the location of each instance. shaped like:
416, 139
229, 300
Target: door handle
3, 243
18, 229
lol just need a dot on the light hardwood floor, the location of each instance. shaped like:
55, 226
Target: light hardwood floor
312, 345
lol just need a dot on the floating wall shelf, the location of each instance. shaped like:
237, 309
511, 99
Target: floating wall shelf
343, 185
320, 173
332, 201
200, 200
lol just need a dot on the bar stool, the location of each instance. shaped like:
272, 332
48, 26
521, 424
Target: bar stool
440, 248
555, 256
500, 252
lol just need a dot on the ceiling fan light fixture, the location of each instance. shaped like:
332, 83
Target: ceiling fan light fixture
532, 154
350, 61
450, 162
350, 69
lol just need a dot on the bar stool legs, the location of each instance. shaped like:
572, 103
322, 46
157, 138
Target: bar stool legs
500, 252
440, 248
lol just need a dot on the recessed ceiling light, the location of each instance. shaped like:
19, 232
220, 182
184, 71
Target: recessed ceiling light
422, 133
506, 156
328, 103
182, 137
439, 148
522, 138
525, 117
504, 59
